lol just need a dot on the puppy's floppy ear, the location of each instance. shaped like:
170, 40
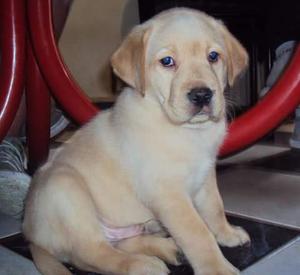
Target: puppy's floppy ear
128, 61
237, 56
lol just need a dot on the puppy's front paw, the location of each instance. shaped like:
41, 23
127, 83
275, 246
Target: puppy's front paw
228, 270
146, 265
233, 236
222, 267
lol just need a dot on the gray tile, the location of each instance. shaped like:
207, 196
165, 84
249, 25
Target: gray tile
14, 264
262, 195
8, 226
285, 261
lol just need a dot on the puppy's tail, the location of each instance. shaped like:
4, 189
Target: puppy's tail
46, 263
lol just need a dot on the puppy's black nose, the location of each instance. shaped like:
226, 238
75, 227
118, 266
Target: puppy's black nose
200, 96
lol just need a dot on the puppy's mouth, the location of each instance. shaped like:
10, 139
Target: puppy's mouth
190, 113
204, 110
203, 113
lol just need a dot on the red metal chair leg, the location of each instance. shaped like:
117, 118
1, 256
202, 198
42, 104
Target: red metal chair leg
38, 113
59, 79
12, 45
38, 98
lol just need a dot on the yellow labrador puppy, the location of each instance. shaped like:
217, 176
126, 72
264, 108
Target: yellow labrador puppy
147, 165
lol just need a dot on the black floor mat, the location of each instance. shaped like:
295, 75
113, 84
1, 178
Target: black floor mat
265, 238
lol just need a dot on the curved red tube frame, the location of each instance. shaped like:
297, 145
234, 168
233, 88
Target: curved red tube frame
12, 39
56, 74
268, 113
245, 130
37, 113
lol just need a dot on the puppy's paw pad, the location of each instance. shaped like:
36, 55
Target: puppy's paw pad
235, 236
146, 265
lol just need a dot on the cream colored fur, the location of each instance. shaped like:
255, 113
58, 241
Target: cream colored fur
149, 157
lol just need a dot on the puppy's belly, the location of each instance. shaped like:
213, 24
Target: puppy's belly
115, 234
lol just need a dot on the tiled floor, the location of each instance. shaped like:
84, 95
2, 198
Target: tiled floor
260, 184
12, 263
8, 226
284, 261
263, 183
261, 195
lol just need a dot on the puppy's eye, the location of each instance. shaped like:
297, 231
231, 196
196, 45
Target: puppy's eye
213, 57
167, 61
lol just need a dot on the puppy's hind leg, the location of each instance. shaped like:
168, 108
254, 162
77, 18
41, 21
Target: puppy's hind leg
105, 259
163, 248
46, 263
87, 246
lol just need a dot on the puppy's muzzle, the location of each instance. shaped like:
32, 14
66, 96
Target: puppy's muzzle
200, 96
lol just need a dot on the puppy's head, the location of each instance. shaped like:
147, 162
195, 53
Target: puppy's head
184, 59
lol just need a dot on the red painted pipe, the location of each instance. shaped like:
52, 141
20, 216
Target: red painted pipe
283, 98
58, 78
37, 113
12, 45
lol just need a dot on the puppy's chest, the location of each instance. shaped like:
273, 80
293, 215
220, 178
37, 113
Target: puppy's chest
189, 167
185, 160
183, 156
197, 172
